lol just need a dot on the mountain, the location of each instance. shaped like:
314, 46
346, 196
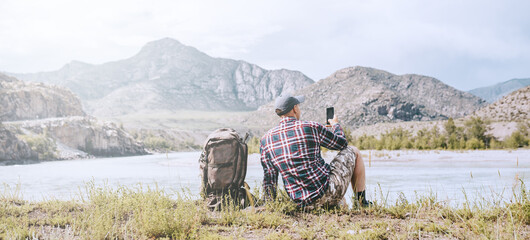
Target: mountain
365, 96
497, 91
167, 75
513, 107
26, 101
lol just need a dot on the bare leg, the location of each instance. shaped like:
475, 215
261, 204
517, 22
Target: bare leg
358, 181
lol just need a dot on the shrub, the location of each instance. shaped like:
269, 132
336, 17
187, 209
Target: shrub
517, 139
45, 147
253, 145
494, 144
157, 143
476, 128
474, 143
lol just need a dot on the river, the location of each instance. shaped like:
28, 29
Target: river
451, 175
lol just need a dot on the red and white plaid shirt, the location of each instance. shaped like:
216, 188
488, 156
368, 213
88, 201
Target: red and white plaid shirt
293, 149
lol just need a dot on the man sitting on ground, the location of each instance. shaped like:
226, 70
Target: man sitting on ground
293, 150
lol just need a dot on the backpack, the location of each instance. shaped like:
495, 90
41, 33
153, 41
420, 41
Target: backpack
223, 167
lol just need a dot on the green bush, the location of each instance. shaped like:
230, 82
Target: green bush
364, 142
494, 144
157, 143
476, 128
519, 138
474, 143
471, 136
45, 147
253, 145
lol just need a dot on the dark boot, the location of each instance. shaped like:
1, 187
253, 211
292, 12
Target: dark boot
361, 198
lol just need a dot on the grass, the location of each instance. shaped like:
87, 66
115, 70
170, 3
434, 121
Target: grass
104, 212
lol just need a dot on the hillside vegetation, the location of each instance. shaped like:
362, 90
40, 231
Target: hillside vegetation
473, 135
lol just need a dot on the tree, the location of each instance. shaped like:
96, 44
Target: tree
476, 128
450, 127
452, 142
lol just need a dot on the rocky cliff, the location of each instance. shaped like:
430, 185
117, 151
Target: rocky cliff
45, 134
365, 96
25, 101
167, 75
497, 91
13, 149
513, 107
87, 134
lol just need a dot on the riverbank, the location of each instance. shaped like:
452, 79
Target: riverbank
140, 213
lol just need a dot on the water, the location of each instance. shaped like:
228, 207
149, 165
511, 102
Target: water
449, 175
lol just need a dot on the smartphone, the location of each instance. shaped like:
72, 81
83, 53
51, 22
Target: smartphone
330, 114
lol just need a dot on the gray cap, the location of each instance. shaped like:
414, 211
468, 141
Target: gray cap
286, 102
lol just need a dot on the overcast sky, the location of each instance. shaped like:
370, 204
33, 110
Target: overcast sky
466, 44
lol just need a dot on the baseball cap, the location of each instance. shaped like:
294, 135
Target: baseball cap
286, 102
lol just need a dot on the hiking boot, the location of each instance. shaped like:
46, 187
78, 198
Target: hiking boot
361, 199
366, 204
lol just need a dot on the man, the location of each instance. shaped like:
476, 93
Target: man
292, 149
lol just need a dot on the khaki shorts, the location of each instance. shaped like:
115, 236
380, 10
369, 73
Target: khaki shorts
340, 177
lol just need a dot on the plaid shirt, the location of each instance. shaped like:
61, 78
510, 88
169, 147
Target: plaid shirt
293, 149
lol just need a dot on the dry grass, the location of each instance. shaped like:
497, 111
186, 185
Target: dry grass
104, 212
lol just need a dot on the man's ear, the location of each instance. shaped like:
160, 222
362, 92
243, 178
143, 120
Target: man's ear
294, 109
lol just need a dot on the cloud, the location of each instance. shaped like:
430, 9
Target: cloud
463, 43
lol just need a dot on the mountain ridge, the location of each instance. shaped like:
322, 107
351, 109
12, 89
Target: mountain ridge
497, 91
172, 76
364, 96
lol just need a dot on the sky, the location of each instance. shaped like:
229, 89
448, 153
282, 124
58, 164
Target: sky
466, 44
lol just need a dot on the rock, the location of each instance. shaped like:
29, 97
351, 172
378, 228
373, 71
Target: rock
87, 134
171, 76
22, 101
13, 149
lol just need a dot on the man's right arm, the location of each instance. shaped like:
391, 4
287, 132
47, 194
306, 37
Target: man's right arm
333, 138
270, 174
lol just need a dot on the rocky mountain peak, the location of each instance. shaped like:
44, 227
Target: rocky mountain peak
168, 75
364, 96
168, 47
75, 66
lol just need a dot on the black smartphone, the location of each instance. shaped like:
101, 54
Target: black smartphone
330, 114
